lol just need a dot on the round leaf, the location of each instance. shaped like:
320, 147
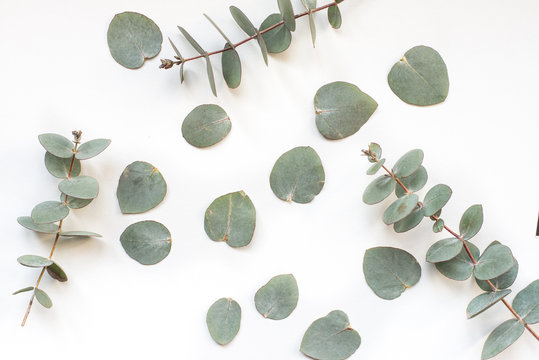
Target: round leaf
49, 212
503, 281
92, 148
408, 163
79, 234
378, 189
460, 267
342, 109
436, 198
80, 187
34, 261
43, 298
376, 151
409, 222
471, 222
438, 226
484, 301
444, 250
223, 320
28, 223
375, 167
277, 40
59, 167
231, 64
414, 182
334, 17
278, 298
206, 125
298, 175
74, 203
420, 77
57, 145
133, 38
495, 261
56, 272
147, 242
390, 271
502, 337
287, 12
400, 209
141, 188
526, 303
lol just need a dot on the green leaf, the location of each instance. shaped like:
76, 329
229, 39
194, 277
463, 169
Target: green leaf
243, 21
341, 109
438, 226
496, 260
231, 218
287, 12
298, 175
56, 272
223, 320
59, 167
444, 250
420, 77
74, 203
231, 64
526, 303
409, 222
147, 242
57, 145
309, 4
209, 71
312, 27
502, 337
206, 125
390, 271
263, 48
192, 41
484, 301
334, 17
378, 189
413, 183
219, 30
80, 187
49, 212
460, 267
29, 288
92, 148
27, 222
43, 298
471, 222
375, 167
278, 298
375, 150
34, 261
400, 209
436, 198
133, 38
178, 54
277, 40
79, 234
141, 188
409, 163
503, 281
330, 338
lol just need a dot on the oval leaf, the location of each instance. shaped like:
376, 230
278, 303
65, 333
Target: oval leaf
92, 148
34, 261
502, 337
56, 272
526, 303
484, 301
57, 145
495, 261
503, 281
460, 267
334, 16
409, 222
471, 222
59, 167
436, 198
141, 188
231, 64
80, 187
74, 203
278, 39
43, 298
400, 209
375, 167
49, 212
243, 21
147, 242
444, 250
375, 152
408, 163
438, 226
206, 125
413, 183
28, 223
278, 298
223, 320
287, 12
378, 189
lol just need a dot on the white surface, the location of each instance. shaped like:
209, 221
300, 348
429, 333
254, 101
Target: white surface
57, 75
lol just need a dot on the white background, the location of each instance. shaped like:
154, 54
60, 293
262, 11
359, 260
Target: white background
57, 75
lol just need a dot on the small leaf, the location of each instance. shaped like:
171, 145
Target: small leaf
277, 40
278, 298
502, 337
526, 303
400, 209
503, 281
243, 21
43, 298
438, 226
495, 261
420, 77
378, 189
263, 48
223, 320
147, 242
390, 271
334, 16
413, 183
409, 222
57, 145
56, 272
28, 223
231, 218
312, 27
59, 167
330, 338
375, 167
231, 64
79, 234
341, 109
460, 267
49, 212
29, 288
74, 203
141, 188
444, 250
309, 4
484, 301
287, 12
219, 30
298, 175
206, 125
408, 163
80, 187
471, 222
192, 41
376, 151
92, 148
133, 38
34, 261
436, 198
209, 71
180, 57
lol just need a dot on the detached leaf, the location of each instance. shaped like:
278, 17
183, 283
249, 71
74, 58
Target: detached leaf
460, 267
29, 288
502, 337
34, 261
92, 148
80, 187
334, 17
57, 145
471, 222
59, 167
49, 211
526, 303
223, 320
287, 11
400, 209
378, 189
206, 125
43, 298
444, 250
277, 40
56, 272
484, 301
436, 198
147, 242
278, 298
27, 222
408, 163
496, 260
141, 188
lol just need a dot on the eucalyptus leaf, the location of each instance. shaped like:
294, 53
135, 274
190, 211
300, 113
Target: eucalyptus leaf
243, 21
147, 242
27, 222
444, 250
223, 320
287, 12
312, 27
278, 298
59, 167
79, 233
526, 303
376, 151
502, 337
309, 4
178, 54
298, 175
460, 267
277, 40
330, 338
471, 222
409, 222
495, 261
91, 148
420, 77
34, 261
484, 301
375, 167
231, 65
334, 16
80, 187
438, 226
503, 281
74, 203
400, 209
206, 125
436, 198
43, 298
56, 272
211, 77
219, 30
141, 187
231, 218
192, 41
390, 271
378, 189
133, 38
29, 288
413, 183
57, 145
49, 212
408, 163
263, 48
342, 109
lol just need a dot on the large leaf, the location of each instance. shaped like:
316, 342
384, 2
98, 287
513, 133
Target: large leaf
496, 260
80, 187
28, 223
526, 303
147, 242
502, 337
287, 12
414, 182
484, 301
59, 167
444, 250
378, 189
278, 39
92, 148
57, 145
49, 212
460, 267
400, 208
436, 198
471, 222
231, 64
43, 298
278, 298
206, 125
408, 163
141, 188
34, 261
223, 320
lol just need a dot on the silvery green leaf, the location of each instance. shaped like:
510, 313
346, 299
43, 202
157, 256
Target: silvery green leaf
27, 222
57, 145
375, 150
378, 189
503, 281
223, 320
287, 12
460, 267
298, 175
409, 222
436, 198
526, 303
444, 250
43, 298
74, 203
133, 38
231, 218
231, 64
263, 47
309, 4
209, 71
330, 338
219, 30
192, 41
420, 77
438, 226
243, 21
49, 212
79, 233
80, 187
141, 188
390, 271
59, 167
34, 261
182, 77
206, 125
484, 301
413, 183
495, 261
334, 17
400, 209
277, 40
29, 288
147, 242
342, 109
278, 298
312, 27
56, 272
408, 163
91, 148
471, 222
375, 167
178, 54
502, 337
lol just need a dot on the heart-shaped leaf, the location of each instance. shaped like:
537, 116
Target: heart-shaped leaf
408, 163
502, 337
56, 272
59, 167
409, 222
80, 187
287, 12
141, 188
147, 242
378, 189
496, 260
34, 261
278, 298
206, 125
28, 223
460, 267
436, 198
43, 298
484, 301
400, 209
49, 212
414, 182
92, 148
57, 145
526, 303
334, 16
223, 320
278, 39
444, 250
471, 222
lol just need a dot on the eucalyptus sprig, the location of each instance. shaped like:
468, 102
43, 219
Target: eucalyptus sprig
457, 258
62, 160
273, 36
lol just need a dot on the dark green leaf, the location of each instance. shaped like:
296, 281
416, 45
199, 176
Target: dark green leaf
57, 145
43, 298
59, 167
277, 40
526, 303
400, 209
502, 337
49, 212
378, 189
28, 223
287, 12
34, 261
460, 267
496, 260
444, 250
413, 183
80, 187
231, 64
409, 222
436, 198
408, 163
278, 298
56, 272
147, 242
206, 125
471, 222
141, 188
334, 17
484, 301
223, 320
92, 148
